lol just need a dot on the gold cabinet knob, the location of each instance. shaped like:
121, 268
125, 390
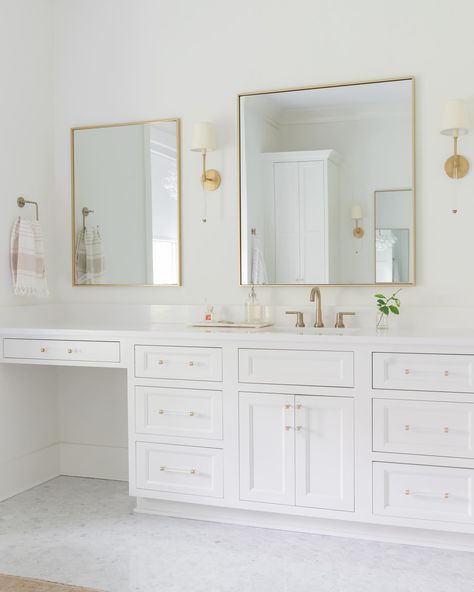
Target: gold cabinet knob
191, 363
69, 351
161, 362
407, 492
407, 370
446, 372
43, 350
446, 495
287, 406
287, 428
299, 428
299, 406
446, 430
407, 428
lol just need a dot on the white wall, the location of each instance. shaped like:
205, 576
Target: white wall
133, 59
28, 420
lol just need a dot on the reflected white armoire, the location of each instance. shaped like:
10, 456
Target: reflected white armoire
301, 216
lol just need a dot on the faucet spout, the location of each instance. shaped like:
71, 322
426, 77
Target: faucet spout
315, 296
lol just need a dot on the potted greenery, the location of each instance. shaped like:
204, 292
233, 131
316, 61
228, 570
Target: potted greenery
385, 306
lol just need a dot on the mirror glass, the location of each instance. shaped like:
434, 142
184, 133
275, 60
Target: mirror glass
311, 161
126, 204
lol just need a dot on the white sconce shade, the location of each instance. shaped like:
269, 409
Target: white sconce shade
455, 118
356, 213
204, 137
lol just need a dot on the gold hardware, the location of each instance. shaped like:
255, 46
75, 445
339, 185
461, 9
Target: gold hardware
85, 213
358, 232
287, 406
299, 317
407, 492
299, 428
21, 202
446, 372
287, 428
446, 430
171, 470
407, 371
407, 428
340, 319
446, 495
299, 405
191, 363
184, 413
316, 295
69, 351
42, 350
160, 362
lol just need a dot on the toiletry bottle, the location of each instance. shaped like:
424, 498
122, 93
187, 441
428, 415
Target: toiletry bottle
253, 308
209, 316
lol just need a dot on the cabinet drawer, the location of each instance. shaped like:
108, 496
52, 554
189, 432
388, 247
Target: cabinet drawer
318, 368
423, 372
423, 427
178, 412
181, 363
180, 469
55, 349
422, 492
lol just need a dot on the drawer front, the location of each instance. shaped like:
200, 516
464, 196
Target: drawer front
423, 372
422, 492
180, 469
423, 427
55, 349
178, 412
300, 367
180, 363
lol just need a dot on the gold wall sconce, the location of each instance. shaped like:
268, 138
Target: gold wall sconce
356, 215
204, 141
455, 123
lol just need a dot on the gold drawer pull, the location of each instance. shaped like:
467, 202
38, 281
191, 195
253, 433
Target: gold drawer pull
161, 362
288, 428
180, 413
446, 430
43, 350
407, 370
182, 471
444, 495
446, 372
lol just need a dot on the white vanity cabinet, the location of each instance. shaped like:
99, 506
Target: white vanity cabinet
297, 450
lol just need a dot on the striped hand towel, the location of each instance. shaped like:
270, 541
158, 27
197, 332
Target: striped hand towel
89, 256
27, 259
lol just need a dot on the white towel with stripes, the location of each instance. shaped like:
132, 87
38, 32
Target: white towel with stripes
89, 256
27, 259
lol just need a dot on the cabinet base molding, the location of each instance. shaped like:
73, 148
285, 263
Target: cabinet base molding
321, 526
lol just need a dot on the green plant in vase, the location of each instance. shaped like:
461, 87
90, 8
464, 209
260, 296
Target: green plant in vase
385, 306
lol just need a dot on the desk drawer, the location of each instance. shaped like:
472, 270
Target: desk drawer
178, 412
423, 372
180, 469
422, 492
423, 427
299, 367
180, 363
55, 349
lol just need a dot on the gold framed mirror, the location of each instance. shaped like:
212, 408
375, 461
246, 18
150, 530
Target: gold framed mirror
126, 204
310, 160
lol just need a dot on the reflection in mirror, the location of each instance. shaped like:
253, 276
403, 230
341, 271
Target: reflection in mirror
309, 159
126, 204
393, 223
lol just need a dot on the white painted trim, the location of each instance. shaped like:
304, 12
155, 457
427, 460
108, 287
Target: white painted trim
19, 474
95, 461
321, 526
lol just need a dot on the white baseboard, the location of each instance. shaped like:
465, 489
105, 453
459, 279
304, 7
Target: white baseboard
23, 473
90, 460
356, 530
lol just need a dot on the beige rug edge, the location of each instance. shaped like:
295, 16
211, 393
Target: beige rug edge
18, 584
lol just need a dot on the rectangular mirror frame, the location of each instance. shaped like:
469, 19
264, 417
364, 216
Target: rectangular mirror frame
316, 87
175, 120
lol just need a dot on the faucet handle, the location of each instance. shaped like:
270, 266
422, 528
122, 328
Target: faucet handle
340, 319
299, 317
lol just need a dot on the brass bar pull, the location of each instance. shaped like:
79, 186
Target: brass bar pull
182, 471
179, 413
444, 495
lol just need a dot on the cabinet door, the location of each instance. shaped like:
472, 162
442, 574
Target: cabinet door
287, 223
324, 452
313, 247
267, 448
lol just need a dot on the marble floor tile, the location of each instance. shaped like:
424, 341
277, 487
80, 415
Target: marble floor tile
83, 532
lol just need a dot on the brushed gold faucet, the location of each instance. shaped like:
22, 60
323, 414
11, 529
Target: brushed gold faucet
316, 295
340, 319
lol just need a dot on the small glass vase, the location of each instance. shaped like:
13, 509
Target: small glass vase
382, 322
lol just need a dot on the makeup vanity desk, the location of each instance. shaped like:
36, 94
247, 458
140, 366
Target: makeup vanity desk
333, 431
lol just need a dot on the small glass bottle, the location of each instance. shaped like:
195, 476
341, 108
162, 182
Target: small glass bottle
253, 308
